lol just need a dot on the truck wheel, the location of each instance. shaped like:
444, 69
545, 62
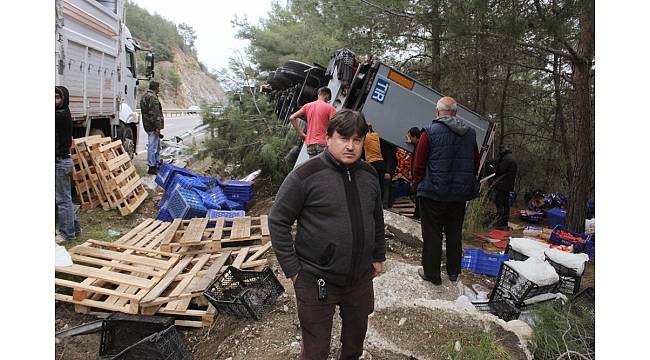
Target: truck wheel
128, 140
96, 131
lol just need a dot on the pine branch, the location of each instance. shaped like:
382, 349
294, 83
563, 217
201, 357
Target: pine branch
404, 15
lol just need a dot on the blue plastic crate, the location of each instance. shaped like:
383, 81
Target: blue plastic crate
185, 204
555, 217
239, 197
213, 198
185, 182
482, 262
209, 181
166, 173
577, 246
237, 184
470, 258
213, 214
490, 264
163, 215
232, 205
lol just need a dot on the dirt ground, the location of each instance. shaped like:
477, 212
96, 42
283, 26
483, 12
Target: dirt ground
412, 320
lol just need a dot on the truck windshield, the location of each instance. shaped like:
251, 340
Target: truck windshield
130, 61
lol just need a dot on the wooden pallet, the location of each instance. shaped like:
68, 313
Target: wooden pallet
112, 276
84, 174
221, 233
122, 184
404, 206
134, 275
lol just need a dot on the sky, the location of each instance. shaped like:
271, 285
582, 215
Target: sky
211, 20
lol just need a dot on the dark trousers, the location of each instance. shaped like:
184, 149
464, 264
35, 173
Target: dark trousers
439, 217
355, 303
502, 202
380, 167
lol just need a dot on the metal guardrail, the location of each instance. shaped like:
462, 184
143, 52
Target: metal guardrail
175, 112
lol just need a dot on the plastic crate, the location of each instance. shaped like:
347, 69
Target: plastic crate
515, 255
209, 181
244, 293
185, 204
490, 264
531, 216
557, 239
232, 205
500, 307
569, 278
167, 172
164, 215
470, 258
119, 331
212, 199
590, 247
555, 217
511, 285
584, 302
229, 214
165, 345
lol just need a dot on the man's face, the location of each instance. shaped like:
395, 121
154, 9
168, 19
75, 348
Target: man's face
57, 99
346, 150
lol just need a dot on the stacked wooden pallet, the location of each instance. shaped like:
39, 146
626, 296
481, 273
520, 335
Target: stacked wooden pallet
136, 275
104, 175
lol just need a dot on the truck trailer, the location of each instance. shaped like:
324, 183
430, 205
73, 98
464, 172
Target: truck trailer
95, 60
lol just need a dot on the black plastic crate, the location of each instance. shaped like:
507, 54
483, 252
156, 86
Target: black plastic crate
244, 293
518, 288
514, 254
584, 302
163, 345
500, 307
120, 331
569, 278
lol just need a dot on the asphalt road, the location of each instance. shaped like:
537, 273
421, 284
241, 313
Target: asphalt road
174, 126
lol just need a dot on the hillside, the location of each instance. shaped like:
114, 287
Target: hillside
184, 80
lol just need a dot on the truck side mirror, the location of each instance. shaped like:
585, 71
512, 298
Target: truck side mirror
149, 62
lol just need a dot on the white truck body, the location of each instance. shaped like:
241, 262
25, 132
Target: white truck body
95, 61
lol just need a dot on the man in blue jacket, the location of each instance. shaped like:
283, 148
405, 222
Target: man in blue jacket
339, 243
445, 176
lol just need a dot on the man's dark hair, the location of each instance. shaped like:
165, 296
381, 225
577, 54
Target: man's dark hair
325, 91
154, 85
414, 131
347, 122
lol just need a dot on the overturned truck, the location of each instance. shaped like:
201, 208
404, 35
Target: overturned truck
389, 99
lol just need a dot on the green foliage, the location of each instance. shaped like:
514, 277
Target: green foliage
559, 332
159, 34
488, 347
479, 211
249, 139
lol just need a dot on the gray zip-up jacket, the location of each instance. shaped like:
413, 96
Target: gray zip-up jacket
340, 220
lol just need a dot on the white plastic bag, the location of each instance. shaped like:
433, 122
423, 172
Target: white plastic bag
529, 247
61, 256
539, 272
572, 261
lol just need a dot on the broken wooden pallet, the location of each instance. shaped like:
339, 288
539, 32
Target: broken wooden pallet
84, 174
120, 181
112, 276
220, 233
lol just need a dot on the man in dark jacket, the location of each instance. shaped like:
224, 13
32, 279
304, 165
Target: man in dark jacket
505, 174
339, 243
153, 122
445, 176
68, 225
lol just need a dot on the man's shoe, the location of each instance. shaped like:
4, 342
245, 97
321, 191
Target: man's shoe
152, 170
453, 277
434, 280
59, 239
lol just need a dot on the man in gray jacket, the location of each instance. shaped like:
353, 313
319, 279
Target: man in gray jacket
339, 244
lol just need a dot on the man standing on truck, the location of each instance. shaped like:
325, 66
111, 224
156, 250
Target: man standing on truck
506, 173
445, 176
153, 122
68, 225
339, 243
318, 114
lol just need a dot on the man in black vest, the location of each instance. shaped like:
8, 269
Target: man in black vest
506, 173
445, 177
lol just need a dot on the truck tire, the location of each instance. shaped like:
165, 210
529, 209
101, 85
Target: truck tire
95, 131
128, 140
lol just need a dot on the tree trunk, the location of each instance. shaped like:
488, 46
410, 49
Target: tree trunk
502, 109
581, 179
559, 117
